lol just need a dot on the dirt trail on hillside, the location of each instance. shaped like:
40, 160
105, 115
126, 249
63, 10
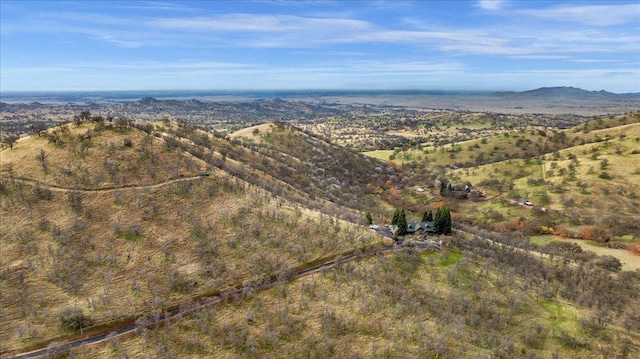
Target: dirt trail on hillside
57, 188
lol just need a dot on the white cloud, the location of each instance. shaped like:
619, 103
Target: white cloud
541, 57
257, 23
137, 67
491, 4
595, 15
595, 61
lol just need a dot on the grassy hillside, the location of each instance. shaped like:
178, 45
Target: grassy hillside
594, 184
108, 223
90, 157
585, 178
126, 228
482, 301
294, 164
464, 148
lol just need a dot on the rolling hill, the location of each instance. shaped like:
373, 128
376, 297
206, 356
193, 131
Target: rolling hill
125, 222
111, 224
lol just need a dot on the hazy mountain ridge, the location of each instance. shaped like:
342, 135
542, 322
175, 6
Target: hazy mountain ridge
566, 92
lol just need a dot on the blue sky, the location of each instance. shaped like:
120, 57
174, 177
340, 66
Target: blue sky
231, 45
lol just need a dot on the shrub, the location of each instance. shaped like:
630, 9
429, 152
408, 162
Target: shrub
564, 232
43, 193
72, 318
133, 231
596, 234
75, 199
605, 175
546, 230
597, 322
635, 247
609, 263
181, 284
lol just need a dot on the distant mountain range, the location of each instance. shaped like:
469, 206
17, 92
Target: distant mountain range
565, 92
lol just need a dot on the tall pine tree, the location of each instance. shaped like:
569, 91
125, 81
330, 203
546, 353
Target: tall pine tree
437, 222
402, 223
447, 222
396, 216
442, 221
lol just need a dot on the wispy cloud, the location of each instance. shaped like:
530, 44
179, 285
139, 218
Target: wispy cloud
378, 42
595, 61
139, 66
257, 23
243, 30
596, 15
491, 4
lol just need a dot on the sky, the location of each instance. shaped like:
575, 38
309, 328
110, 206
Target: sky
280, 45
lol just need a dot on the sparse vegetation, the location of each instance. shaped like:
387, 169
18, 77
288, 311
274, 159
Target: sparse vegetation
151, 217
72, 319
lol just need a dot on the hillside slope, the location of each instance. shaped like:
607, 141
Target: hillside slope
188, 214
126, 223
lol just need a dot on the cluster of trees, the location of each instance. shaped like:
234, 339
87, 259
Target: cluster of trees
442, 221
10, 140
399, 219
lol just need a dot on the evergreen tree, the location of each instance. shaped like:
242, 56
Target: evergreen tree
442, 221
437, 222
447, 221
443, 187
427, 216
396, 216
369, 218
402, 223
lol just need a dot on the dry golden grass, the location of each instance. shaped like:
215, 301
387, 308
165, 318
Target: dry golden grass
253, 133
379, 154
140, 249
630, 262
118, 253
376, 307
102, 162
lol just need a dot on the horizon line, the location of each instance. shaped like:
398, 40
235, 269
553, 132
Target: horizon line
301, 90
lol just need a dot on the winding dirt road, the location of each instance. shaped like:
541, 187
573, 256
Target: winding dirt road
57, 188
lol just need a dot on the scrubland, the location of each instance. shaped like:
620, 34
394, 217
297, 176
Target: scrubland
106, 223
474, 299
77, 232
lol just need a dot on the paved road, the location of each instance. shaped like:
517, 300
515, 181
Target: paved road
210, 301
